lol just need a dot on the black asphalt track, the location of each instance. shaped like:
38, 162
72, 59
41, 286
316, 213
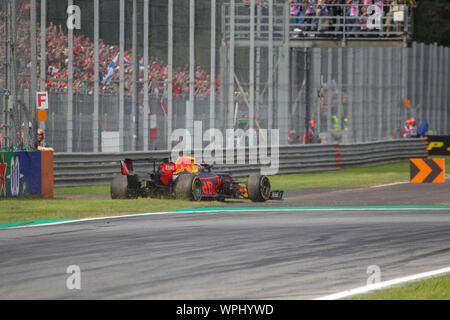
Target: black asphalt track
273, 254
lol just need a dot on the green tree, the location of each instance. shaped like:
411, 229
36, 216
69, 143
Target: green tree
432, 23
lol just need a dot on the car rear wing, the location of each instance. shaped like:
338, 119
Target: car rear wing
126, 167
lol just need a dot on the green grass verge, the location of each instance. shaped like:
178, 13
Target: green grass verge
13, 210
429, 289
345, 177
103, 189
94, 201
349, 177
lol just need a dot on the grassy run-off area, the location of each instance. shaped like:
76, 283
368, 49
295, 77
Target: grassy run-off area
429, 289
87, 202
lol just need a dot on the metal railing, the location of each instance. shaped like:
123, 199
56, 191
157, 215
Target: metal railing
77, 169
331, 21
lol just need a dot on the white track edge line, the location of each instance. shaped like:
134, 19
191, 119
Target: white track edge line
388, 185
225, 210
385, 284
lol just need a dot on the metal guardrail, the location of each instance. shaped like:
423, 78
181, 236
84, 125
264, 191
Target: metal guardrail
331, 21
83, 169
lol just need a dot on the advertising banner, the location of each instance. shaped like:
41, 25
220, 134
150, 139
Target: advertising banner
20, 174
439, 145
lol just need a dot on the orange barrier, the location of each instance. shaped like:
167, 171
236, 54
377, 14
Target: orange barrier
47, 173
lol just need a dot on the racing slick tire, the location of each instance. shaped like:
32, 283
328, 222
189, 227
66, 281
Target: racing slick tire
258, 188
119, 187
188, 187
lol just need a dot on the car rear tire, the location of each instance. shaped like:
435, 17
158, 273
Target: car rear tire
188, 187
258, 188
119, 187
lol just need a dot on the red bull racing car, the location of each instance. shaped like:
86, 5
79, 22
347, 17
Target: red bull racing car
185, 179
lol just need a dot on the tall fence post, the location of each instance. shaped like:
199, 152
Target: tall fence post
43, 55
145, 138
121, 76
212, 76
96, 111
251, 106
69, 127
446, 91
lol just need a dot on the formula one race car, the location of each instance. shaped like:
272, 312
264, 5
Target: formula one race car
188, 180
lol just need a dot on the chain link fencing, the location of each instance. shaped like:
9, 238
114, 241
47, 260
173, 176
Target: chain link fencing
353, 95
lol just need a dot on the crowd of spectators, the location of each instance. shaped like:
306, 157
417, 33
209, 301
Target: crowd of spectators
57, 65
356, 12
57, 56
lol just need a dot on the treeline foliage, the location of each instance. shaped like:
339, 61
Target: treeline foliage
432, 22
